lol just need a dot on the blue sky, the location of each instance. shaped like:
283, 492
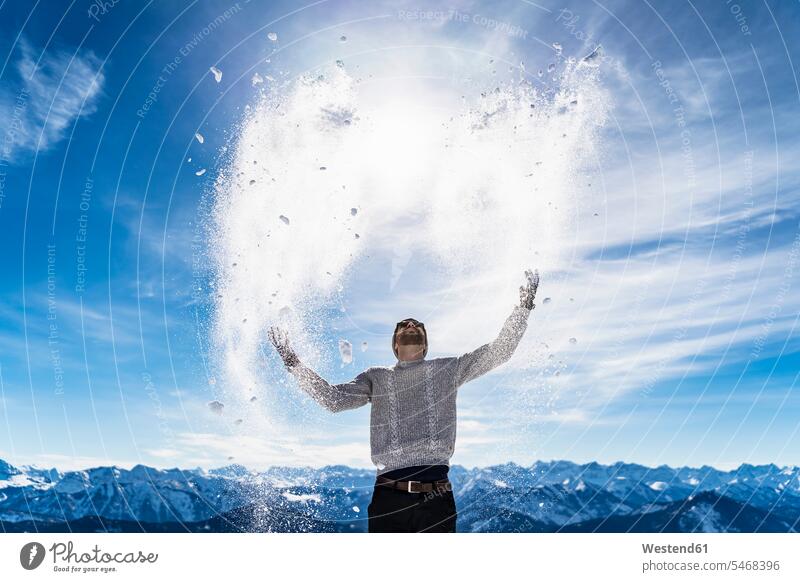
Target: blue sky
677, 270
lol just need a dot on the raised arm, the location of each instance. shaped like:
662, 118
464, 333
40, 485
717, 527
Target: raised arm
334, 397
487, 357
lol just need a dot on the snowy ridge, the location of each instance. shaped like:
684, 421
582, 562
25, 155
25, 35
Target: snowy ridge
546, 496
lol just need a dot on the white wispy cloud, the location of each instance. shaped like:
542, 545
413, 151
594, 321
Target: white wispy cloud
51, 90
213, 450
64, 462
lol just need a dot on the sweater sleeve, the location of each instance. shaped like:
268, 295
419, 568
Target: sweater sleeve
487, 357
334, 397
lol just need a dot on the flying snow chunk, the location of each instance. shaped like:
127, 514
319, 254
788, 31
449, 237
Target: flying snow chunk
573, 340
216, 406
253, 399
302, 497
364, 346
199, 137
257, 79
353, 211
200, 172
217, 74
346, 351
593, 58
356, 509
557, 46
658, 485
272, 36
284, 219
343, 38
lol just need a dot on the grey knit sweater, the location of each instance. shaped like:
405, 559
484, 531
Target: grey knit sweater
413, 420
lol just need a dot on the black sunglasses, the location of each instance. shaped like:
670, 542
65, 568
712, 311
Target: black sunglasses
407, 321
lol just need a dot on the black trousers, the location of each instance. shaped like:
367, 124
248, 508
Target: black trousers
392, 510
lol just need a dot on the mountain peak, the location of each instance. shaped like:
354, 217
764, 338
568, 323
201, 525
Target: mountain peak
233, 470
6, 470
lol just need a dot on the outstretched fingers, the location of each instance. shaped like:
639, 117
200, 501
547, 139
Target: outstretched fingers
278, 337
533, 278
527, 292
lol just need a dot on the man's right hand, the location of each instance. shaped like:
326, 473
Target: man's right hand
280, 339
527, 293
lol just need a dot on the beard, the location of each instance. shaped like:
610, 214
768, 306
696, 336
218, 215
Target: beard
411, 339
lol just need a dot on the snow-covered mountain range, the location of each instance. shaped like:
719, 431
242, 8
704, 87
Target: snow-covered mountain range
544, 497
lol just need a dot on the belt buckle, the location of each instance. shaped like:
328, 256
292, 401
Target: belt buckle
409, 486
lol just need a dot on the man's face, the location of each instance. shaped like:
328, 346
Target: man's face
410, 332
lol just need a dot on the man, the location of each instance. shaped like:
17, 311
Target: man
413, 417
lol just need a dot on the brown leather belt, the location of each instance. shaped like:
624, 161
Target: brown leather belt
416, 486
